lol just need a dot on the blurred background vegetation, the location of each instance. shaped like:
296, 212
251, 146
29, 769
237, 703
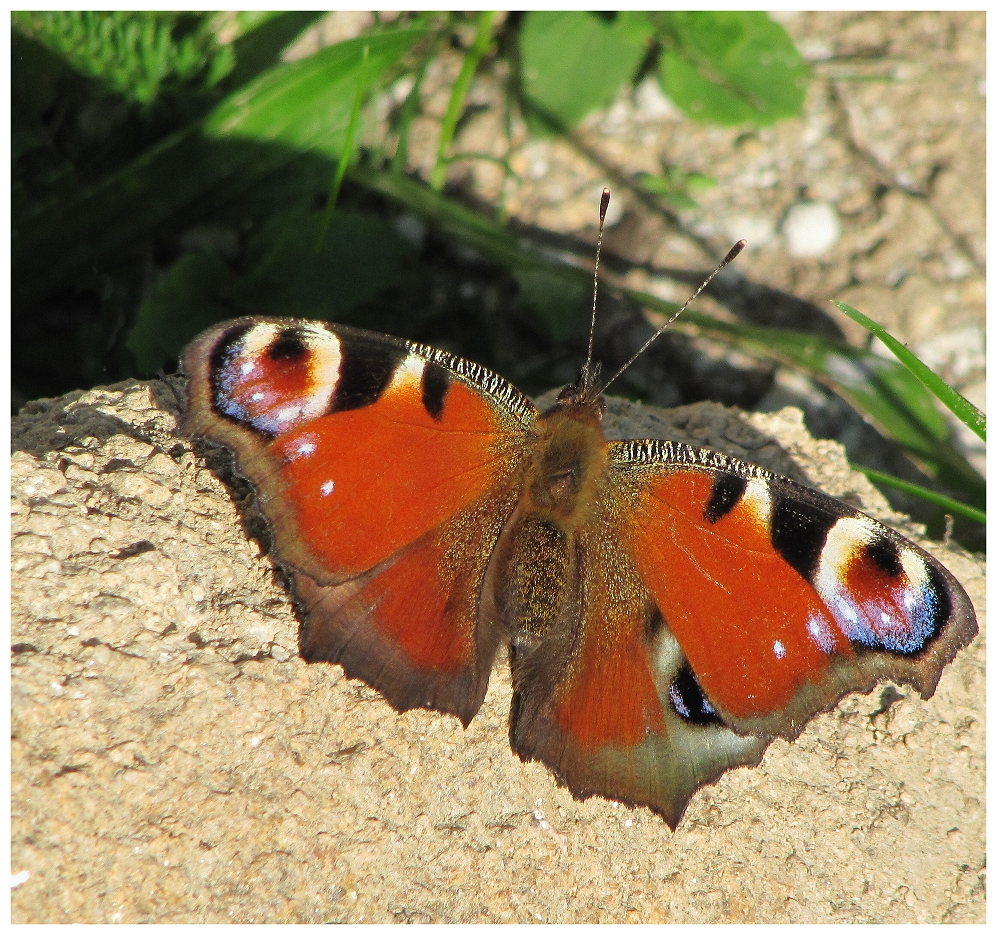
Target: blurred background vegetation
174, 169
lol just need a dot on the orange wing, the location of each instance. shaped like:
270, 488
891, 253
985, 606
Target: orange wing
782, 599
608, 700
384, 470
717, 606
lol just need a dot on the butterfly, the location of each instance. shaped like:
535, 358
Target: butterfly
669, 610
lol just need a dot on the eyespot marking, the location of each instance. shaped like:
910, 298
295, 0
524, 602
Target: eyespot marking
688, 700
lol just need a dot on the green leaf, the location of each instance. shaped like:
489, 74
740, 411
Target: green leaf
307, 104
182, 304
361, 256
573, 62
731, 67
964, 410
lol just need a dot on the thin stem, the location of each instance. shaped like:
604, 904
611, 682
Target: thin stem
400, 159
347, 152
458, 95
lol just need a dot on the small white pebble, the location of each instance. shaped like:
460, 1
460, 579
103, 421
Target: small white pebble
811, 228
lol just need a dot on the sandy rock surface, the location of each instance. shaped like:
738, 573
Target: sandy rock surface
174, 760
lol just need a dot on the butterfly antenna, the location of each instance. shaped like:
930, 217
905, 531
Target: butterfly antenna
731, 256
603, 207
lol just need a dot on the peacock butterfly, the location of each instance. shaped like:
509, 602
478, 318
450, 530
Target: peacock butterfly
669, 610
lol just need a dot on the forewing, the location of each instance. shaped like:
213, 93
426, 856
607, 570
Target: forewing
783, 599
367, 455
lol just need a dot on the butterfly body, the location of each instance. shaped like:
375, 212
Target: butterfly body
669, 610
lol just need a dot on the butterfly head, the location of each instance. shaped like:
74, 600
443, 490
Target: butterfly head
586, 390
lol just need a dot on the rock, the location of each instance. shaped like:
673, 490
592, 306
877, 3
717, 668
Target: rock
174, 760
811, 228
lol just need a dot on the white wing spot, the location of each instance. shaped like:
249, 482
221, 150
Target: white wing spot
306, 448
758, 500
779, 649
411, 370
247, 367
914, 568
820, 633
327, 488
256, 397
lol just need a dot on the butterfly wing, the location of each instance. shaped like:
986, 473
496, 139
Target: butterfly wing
385, 471
782, 598
607, 700
714, 607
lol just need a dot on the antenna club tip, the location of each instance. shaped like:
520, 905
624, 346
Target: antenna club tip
734, 251
604, 205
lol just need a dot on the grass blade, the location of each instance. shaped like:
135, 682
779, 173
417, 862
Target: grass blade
347, 153
963, 409
946, 503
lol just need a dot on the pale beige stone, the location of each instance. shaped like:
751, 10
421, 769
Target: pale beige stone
174, 760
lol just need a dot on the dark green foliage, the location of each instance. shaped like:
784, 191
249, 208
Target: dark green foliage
134, 54
719, 67
282, 275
